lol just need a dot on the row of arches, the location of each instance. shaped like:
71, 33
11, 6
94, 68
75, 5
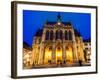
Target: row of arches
58, 54
58, 35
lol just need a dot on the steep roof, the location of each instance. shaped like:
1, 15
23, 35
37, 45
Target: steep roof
26, 45
39, 32
77, 33
87, 40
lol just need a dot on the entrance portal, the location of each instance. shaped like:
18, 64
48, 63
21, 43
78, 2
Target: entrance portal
59, 55
48, 55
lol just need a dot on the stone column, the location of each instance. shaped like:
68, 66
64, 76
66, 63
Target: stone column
75, 56
63, 36
53, 48
64, 53
54, 54
41, 54
43, 35
54, 35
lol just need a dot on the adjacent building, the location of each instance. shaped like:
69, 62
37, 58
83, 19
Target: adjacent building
87, 50
27, 56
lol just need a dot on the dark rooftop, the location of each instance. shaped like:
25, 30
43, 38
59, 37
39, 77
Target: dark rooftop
26, 46
39, 32
77, 33
87, 40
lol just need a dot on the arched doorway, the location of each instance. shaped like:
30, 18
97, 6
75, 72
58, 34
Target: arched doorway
58, 55
69, 54
48, 55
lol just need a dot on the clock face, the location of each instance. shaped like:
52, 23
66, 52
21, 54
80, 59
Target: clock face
59, 23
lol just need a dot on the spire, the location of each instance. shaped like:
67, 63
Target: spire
46, 21
59, 17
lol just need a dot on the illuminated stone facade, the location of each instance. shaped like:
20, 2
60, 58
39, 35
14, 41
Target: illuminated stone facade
57, 44
27, 56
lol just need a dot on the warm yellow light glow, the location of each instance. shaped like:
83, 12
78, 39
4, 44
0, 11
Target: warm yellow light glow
48, 56
26, 56
88, 52
47, 53
58, 54
69, 55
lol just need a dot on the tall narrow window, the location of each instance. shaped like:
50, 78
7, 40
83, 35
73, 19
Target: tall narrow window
66, 35
70, 35
51, 35
47, 35
57, 34
60, 35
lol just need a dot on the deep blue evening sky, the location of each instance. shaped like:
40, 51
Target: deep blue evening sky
33, 20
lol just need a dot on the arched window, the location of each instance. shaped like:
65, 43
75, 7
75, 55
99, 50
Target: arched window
60, 35
51, 35
47, 35
66, 35
57, 34
70, 35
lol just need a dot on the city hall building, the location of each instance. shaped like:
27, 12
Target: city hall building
58, 43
